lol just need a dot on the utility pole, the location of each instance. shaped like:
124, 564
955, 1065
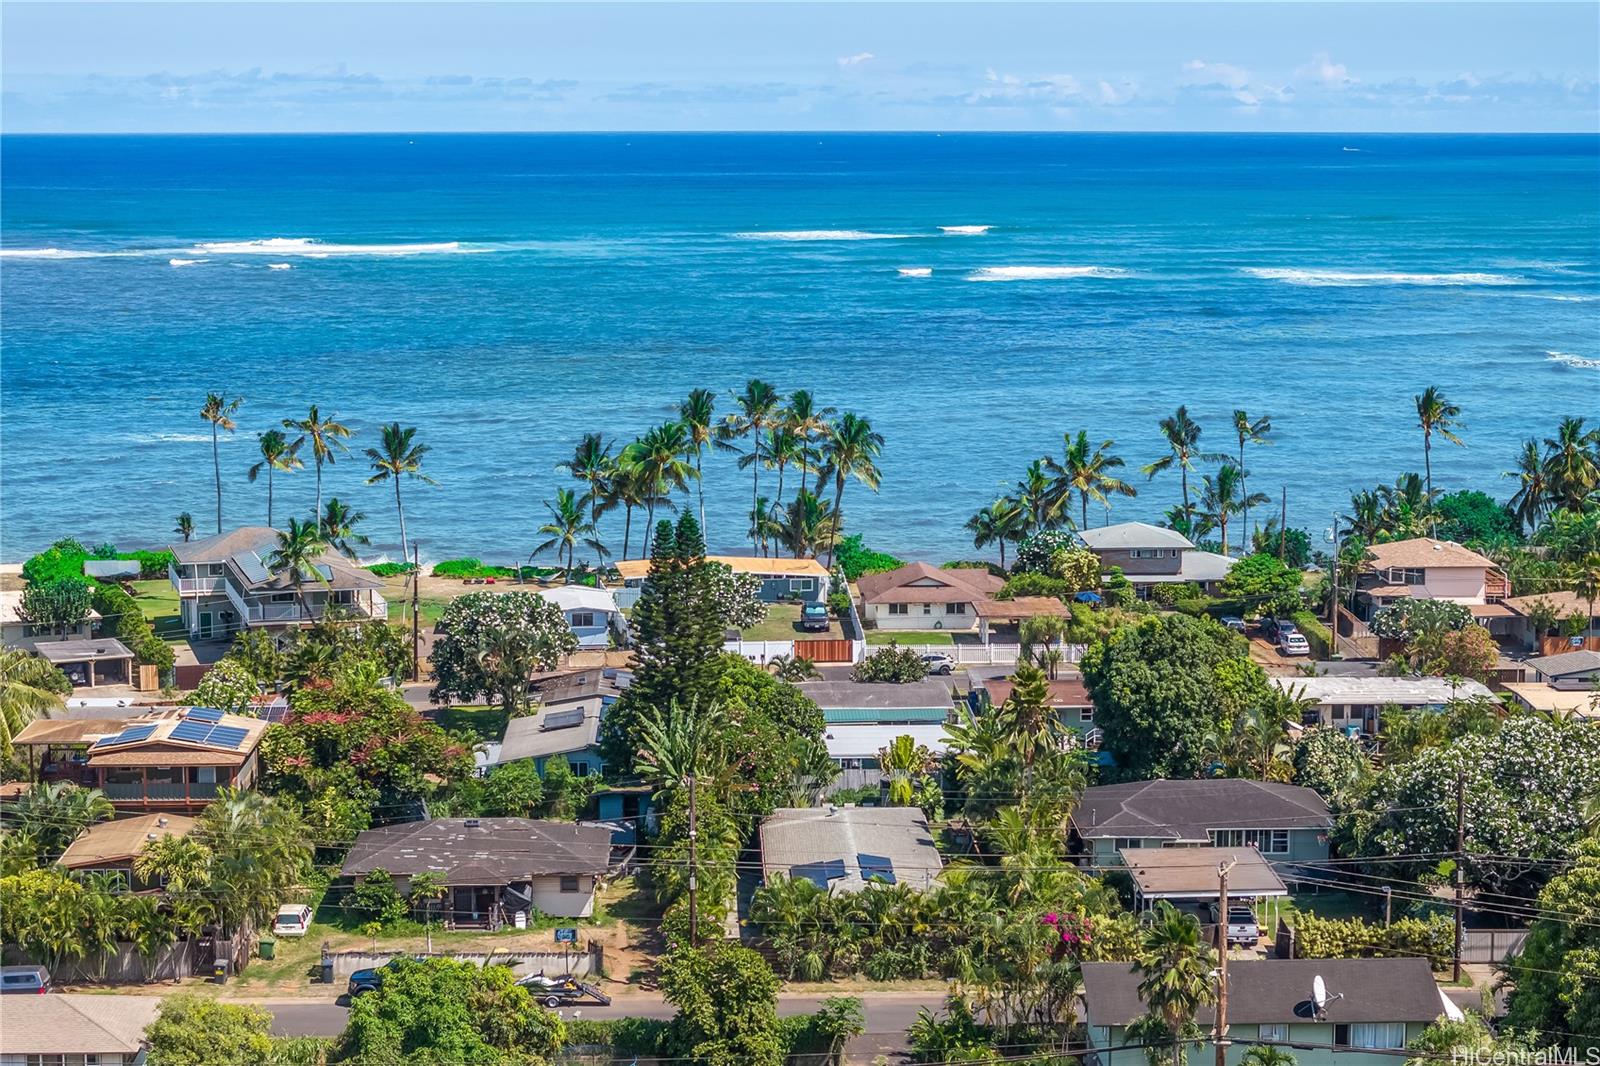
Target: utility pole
1221, 1036
694, 887
1461, 859
416, 625
1388, 904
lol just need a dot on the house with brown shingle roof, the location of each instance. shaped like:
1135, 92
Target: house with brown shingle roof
1426, 569
920, 596
1563, 604
70, 1027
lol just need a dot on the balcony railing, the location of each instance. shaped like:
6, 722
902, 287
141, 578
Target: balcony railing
194, 586
292, 612
160, 791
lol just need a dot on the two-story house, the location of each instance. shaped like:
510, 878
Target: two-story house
1428, 569
224, 585
1153, 555
1286, 823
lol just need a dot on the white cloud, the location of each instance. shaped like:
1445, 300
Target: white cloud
1325, 72
856, 60
1226, 74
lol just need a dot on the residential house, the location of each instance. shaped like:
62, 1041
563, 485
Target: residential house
1568, 670
1067, 696
492, 867
76, 1029
592, 613
571, 706
920, 596
841, 849
1286, 823
224, 586
1375, 1009
17, 632
111, 847
1564, 605
172, 760
1355, 704
1154, 555
801, 580
854, 749
881, 702
1428, 569
1187, 877
90, 662
1561, 702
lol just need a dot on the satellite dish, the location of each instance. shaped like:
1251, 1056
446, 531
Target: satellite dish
1319, 992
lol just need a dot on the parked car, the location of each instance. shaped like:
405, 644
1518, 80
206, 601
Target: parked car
1274, 628
24, 980
562, 991
1233, 622
293, 920
814, 618
369, 980
939, 663
1242, 925
1293, 642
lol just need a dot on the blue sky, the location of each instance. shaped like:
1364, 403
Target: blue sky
135, 67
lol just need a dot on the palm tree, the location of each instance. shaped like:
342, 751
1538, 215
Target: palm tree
219, 411
260, 850
1037, 495
1266, 1055
1365, 519
591, 463
850, 448
807, 421
902, 760
185, 526
1435, 414
399, 455
276, 454
1586, 581
1002, 520
1182, 434
785, 448
339, 527
1084, 470
758, 409
1533, 496
1222, 497
1175, 971
56, 813
697, 413
658, 457
179, 864
567, 528
327, 438
807, 526
764, 525
299, 548
30, 688
1572, 463
1249, 431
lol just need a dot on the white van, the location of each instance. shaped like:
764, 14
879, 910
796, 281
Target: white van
293, 920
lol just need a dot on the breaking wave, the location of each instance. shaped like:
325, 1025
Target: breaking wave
1292, 276
915, 272
1042, 273
308, 246
1577, 362
965, 231
184, 262
279, 266
821, 235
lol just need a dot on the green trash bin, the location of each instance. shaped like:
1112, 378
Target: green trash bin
267, 948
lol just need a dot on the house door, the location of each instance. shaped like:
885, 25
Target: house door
205, 625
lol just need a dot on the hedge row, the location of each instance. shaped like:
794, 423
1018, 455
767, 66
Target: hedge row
1352, 938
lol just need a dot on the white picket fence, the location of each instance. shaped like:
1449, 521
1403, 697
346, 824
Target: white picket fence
761, 652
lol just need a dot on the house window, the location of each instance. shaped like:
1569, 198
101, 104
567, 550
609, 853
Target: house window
214, 569
579, 769
582, 620
1267, 841
1085, 714
802, 584
1278, 1032
1127, 842
899, 608
927, 608
569, 883
1406, 575
1388, 1036
283, 597
955, 608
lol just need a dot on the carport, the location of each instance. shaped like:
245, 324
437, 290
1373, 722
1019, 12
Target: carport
88, 663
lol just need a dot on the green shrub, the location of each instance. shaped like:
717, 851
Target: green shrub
1352, 938
390, 569
122, 618
1030, 583
1316, 634
623, 1036
973, 564
476, 568
855, 558
1169, 594
839, 603
893, 664
376, 899
62, 560
1199, 607
152, 565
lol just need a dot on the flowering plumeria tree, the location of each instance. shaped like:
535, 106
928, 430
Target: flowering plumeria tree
737, 596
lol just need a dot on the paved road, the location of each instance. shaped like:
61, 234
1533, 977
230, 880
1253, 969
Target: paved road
887, 1017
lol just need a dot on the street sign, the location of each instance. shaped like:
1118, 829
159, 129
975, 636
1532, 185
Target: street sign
566, 936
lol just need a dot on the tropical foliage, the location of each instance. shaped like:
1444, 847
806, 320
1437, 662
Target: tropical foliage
491, 644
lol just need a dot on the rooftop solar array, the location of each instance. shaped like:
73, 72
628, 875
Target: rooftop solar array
203, 714
563, 719
216, 736
251, 567
876, 866
192, 732
127, 736
820, 873
227, 736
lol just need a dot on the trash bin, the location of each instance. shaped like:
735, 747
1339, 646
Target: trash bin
327, 971
267, 948
219, 971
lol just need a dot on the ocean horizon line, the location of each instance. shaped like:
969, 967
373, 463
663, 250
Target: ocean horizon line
1325, 134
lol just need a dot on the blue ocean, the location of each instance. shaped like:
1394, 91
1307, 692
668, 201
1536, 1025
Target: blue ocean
975, 296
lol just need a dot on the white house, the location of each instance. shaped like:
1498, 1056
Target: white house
17, 632
1153, 555
592, 613
1355, 703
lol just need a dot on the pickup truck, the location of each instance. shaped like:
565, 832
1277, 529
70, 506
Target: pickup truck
1242, 925
814, 618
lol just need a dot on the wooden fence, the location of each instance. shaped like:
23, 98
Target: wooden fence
826, 650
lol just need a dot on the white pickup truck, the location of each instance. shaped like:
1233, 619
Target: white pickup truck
1242, 925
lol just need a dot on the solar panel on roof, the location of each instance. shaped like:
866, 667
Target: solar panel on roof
203, 714
251, 567
127, 736
876, 866
192, 732
819, 873
227, 736
563, 719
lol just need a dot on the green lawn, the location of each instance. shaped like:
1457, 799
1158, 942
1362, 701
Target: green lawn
783, 623
159, 602
1328, 904
909, 636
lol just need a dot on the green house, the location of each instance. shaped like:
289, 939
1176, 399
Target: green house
1373, 1008
880, 702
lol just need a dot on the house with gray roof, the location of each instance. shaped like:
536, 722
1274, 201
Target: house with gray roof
842, 849
881, 702
492, 867
1354, 704
1570, 669
1374, 1009
1286, 823
1154, 555
66, 1027
225, 585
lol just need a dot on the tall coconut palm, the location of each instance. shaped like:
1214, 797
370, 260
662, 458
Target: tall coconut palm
339, 527
327, 438
185, 526
1182, 435
277, 453
698, 414
806, 420
1086, 470
1249, 431
1572, 463
757, 409
806, 526
1533, 496
660, 459
1002, 520
568, 527
1174, 969
1586, 580
399, 455
591, 463
630, 487
1365, 519
1223, 496
30, 688
785, 449
298, 549
219, 411
850, 448
1036, 493
1435, 414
